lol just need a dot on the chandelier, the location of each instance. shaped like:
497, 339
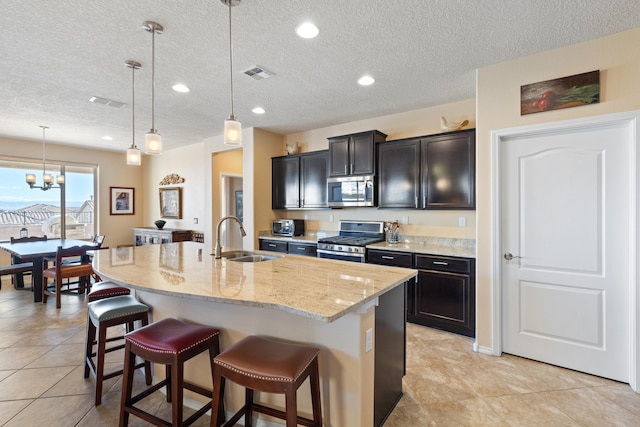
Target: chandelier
47, 178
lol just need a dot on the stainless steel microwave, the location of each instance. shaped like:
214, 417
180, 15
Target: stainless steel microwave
351, 191
287, 227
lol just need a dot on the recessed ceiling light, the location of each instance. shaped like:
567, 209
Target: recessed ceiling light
180, 88
366, 80
307, 30
258, 110
107, 138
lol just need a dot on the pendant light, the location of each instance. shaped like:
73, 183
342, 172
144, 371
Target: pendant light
47, 178
134, 157
153, 140
232, 127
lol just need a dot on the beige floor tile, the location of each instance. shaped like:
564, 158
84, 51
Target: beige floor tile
431, 384
61, 355
9, 338
589, 409
525, 410
410, 415
53, 412
31, 383
623, 395
11, 408
19, 357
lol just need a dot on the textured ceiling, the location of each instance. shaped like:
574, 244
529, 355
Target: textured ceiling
58, 54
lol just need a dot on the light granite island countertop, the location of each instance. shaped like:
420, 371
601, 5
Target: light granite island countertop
353, 312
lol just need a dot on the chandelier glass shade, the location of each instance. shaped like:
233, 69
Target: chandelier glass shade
232, 127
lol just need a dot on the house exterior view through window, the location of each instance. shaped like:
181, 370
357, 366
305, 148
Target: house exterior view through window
35, 212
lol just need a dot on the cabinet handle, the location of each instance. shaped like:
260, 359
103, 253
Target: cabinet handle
424, 201
387, 257
302, 248
417, 202
345, 168
271, 245
440, 263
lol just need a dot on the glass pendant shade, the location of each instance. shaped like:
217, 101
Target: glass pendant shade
232, 131
134, 157
31, 178
152, 143
60, 179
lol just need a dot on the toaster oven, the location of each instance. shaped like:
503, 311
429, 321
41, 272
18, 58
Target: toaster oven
287, 227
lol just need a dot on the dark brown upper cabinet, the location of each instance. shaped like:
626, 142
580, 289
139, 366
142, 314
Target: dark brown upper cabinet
354, 154
428, 172
299, 181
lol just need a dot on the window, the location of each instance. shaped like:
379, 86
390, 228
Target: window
37, 212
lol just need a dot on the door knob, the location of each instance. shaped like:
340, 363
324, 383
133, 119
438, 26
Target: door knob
508, 256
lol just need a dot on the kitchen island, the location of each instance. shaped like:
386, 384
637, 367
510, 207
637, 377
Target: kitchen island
353, 312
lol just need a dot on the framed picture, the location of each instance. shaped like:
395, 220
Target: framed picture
122, 256
121, 201
565, 92
170, 203
239, 209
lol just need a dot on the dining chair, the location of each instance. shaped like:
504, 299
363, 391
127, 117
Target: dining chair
60, 271
18, 278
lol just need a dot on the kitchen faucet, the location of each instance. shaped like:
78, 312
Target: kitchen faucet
218, 249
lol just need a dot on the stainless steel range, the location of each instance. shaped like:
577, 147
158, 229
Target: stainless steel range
349, 244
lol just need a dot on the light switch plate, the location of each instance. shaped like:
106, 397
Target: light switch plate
368, 340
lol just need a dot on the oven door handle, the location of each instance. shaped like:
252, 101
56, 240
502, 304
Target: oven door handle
342, 254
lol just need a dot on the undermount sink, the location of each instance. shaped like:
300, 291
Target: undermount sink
248, 256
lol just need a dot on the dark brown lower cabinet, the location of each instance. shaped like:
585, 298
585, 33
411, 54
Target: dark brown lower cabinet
445, 294
295, 248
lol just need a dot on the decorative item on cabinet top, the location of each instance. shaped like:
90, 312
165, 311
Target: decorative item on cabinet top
171, 179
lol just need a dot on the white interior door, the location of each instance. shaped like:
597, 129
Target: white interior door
567, 218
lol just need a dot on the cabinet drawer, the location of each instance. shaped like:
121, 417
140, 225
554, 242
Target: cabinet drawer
272, 245
440, 263
302, 249
396, 259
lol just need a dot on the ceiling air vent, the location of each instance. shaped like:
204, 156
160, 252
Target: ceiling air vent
107, 102
258, 73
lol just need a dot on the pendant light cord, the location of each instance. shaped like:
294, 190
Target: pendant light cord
231, 60
153, 78
43, 150
133, 106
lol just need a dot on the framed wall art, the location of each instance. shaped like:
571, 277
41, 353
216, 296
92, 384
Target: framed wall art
171, 203
239, 206
121, 200
565, 92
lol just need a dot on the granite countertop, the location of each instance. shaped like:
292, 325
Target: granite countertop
320, 289
415, 244
308, 237
431, 246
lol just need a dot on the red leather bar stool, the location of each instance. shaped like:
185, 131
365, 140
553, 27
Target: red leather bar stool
103, 290
101, 315
170, 342
266, 365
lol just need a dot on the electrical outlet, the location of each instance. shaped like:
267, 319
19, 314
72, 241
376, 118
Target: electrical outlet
368, 340
462, 221
405, 220
306, 216
330, 217
195, 220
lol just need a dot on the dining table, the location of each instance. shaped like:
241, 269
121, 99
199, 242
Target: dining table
38, 251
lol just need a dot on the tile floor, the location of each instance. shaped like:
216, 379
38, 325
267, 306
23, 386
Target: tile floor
447, 384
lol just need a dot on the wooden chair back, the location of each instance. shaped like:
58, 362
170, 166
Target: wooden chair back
28, 239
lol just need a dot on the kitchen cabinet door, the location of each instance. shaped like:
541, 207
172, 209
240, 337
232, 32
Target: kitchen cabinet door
448, 176
354, 154
313, 180
285, 184
339, 156
445, 294
399, 173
